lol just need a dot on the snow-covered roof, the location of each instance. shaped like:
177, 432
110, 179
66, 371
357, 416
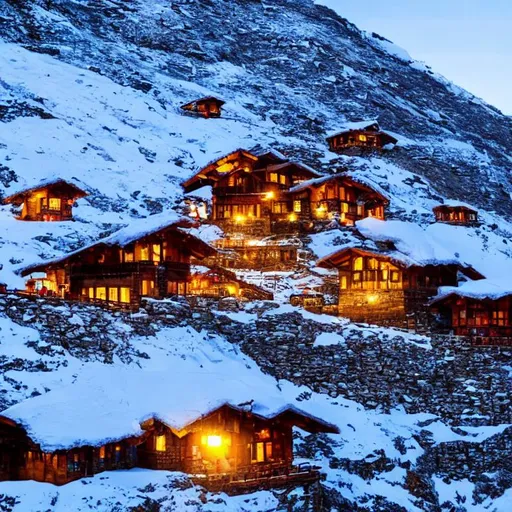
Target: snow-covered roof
357, 125
93, 411
456, 204
343, 176
294, 163
203, 99
136, 230
481, 289
411, 245
21, 189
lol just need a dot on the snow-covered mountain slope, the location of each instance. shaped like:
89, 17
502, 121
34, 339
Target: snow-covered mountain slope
90, 90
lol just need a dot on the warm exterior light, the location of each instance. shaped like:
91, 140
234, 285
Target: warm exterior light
214, 441
269, 195
372, 299
240, 219
292, 217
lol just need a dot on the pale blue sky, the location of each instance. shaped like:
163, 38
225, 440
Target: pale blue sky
467, 41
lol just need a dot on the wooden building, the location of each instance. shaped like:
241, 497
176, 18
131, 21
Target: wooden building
456, 214
230, 448
365, 135
23, 459
209, 106
150, 258
217, 282
386, 289
250, 192
339, 197
48, 201
486, 320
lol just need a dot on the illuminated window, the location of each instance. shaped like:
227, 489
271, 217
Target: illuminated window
125, 295
344, 207
157, 252
54, 203
282, 179
113, 294
263, 434
214, 441
372, 263
297, 206
147, 287
144, 252
268, 451
274, 177
129, 254
363, 138
358, 263
395, 276
160, 443
343, 282
91, 293
258, 452
342, 193
101, 293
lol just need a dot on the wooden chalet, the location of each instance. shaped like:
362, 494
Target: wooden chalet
47, 201
339, 197
250, 191
386, 289
486, 320
456, 214
231, 449
217, 282
209, 106
365, 135
150, 258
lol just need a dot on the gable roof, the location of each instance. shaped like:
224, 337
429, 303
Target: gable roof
211, 173
306, 169
204, 99
178, 398
20, 192
484, 289
367, 125
349, 180
453, 205
136, 230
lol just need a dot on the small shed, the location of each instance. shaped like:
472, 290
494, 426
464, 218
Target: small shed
207, 107
49, 200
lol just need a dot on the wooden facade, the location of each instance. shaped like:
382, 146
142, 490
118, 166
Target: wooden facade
339, 197
119, 274
247, 253
22, 459
367, 137
230, 443
209, 106
376, 288
52, 201
250, 193
487, 319
218, 282
459, 215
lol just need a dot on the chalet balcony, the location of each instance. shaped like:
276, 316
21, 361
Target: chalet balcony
260, 477
118, 269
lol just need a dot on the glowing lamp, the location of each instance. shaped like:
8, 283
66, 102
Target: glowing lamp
292, 217
214, 441
240, 219
372, 299
269, 195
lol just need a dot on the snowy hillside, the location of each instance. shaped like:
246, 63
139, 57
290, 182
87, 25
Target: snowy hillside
90, 92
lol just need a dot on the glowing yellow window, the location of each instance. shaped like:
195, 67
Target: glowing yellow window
260, 452
113, 294
343, 282
157, 252
297, 206
160, 443
101, 293
91, 293
274, 177
144, 253
358, 263
214, 441
147, 287
102, 452
125, 295
363, 138
54, 203
282, 179
128, 256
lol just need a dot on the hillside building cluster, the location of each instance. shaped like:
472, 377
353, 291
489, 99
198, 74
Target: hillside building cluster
265, 204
